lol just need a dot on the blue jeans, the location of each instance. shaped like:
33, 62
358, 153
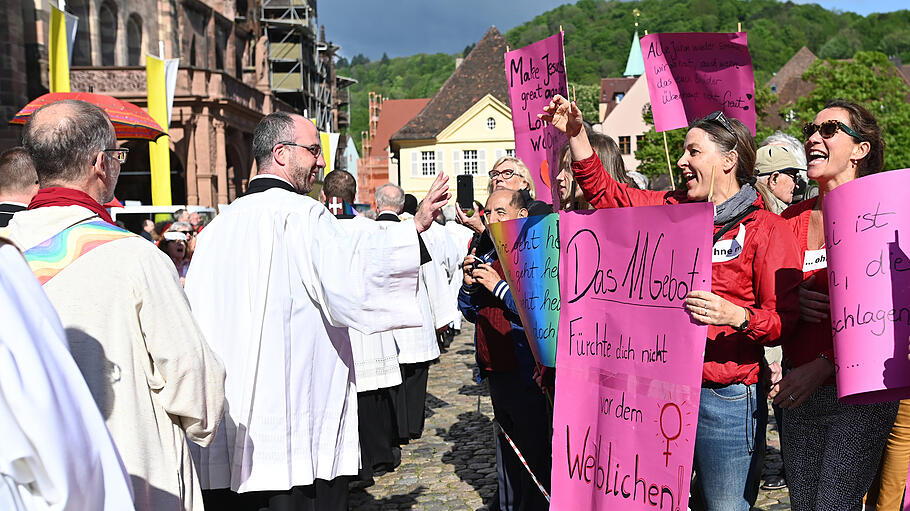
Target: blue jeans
729, 446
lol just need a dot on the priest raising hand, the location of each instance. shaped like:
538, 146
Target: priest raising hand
432, 204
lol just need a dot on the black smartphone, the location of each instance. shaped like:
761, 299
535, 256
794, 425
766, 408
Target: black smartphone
465, 191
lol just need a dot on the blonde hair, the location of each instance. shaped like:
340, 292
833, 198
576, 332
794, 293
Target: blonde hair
521, 170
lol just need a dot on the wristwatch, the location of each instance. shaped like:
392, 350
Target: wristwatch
745, 324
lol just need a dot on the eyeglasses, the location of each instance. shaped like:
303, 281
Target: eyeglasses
505, 173
828, 129
314, 149
719, 118
187, 233
118, 154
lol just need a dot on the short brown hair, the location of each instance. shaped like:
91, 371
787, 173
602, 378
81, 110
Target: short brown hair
339, 183
17, 171
864, 124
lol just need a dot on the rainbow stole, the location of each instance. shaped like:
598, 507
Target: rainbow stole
51, 256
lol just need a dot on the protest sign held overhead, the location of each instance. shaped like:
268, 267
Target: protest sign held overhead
867, 232
630, 356
691, 75
528, 249
534, 75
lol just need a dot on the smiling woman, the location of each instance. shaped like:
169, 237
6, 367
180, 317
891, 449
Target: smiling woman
842, 143
753, 299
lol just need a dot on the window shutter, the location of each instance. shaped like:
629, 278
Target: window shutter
456, 163
439, 167
498, 154
415, 163
482, 161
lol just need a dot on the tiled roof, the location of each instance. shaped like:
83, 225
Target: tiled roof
610, 86
481, 73
395, 113
789, 85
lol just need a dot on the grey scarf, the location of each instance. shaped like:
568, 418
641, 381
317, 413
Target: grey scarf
734, 206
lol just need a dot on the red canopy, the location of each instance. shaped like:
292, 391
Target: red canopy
129, 120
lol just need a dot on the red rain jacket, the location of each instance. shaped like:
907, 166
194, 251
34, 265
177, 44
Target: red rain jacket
763, 278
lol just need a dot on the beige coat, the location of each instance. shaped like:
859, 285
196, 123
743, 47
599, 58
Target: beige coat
146, 363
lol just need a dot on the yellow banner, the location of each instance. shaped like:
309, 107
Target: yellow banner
58, 54
326, 142
159, 150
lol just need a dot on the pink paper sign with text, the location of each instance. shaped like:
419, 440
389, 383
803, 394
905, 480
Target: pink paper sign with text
867, 236
535, 74
691, 75
629, 359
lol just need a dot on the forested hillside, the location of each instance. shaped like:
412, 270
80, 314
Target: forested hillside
598, 35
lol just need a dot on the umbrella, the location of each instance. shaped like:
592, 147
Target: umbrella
129, 120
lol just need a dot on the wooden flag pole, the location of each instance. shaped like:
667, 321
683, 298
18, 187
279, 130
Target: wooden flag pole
711, 189
739, 26
669, 166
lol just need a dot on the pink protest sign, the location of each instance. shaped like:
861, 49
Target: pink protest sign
691, 75
528, 249
535, 74
629, 360
867, 227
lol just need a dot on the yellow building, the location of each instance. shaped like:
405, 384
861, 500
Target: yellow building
464, 128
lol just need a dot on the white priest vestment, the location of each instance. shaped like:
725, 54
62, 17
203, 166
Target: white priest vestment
445, 254
275, 283
56, 453
375, 355
130, 330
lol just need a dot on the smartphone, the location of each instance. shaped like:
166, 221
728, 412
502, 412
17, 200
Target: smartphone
465, 191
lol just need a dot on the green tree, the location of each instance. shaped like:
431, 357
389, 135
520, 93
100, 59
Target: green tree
651, 153
871, 80
588, 99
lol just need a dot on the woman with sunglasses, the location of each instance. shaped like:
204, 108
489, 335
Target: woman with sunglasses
831, 450
753, 301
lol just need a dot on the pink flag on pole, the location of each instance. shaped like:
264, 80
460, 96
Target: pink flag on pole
629, 359
867, 236
535, 74
691, 75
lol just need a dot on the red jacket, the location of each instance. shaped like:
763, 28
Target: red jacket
808, 340
763, 278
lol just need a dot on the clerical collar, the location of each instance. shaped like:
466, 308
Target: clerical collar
13, 203
263, 182
387, 216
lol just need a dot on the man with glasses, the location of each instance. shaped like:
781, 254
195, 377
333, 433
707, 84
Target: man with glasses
129, 327
778, 170
276, 282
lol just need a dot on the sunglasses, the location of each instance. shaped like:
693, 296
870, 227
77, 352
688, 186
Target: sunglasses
828, 129
314, 149
719, 118
505, 173
187, 233
118, 154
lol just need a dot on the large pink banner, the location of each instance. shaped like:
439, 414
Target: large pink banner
535, 74
691, 75
867, 224
629, 358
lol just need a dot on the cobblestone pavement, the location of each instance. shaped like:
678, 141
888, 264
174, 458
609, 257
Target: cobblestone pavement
453, 466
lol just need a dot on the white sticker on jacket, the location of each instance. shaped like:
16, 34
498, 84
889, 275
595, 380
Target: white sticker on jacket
815, 260
725, 250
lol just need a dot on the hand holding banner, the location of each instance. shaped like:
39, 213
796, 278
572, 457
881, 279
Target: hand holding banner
535, 74
867, 225
528, 249
630, 357
691, 75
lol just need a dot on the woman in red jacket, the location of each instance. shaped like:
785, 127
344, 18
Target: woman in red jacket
753, 299
831, 450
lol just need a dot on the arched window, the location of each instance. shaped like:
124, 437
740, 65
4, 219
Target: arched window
108, 18
82, 50
133, 40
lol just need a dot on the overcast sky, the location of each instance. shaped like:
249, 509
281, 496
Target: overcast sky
406, 27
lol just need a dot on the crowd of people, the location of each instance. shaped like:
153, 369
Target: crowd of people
279, 355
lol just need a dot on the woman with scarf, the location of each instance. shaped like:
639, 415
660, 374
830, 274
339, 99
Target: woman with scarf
753, 299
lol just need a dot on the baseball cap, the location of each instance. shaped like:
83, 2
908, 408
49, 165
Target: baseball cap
773, 158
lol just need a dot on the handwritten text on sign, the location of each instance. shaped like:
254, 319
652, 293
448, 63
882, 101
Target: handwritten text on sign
629, 356
535, 74
691, 75
528, 249
867, 236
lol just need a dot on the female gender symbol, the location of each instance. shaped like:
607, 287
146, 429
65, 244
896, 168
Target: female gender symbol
664, 433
